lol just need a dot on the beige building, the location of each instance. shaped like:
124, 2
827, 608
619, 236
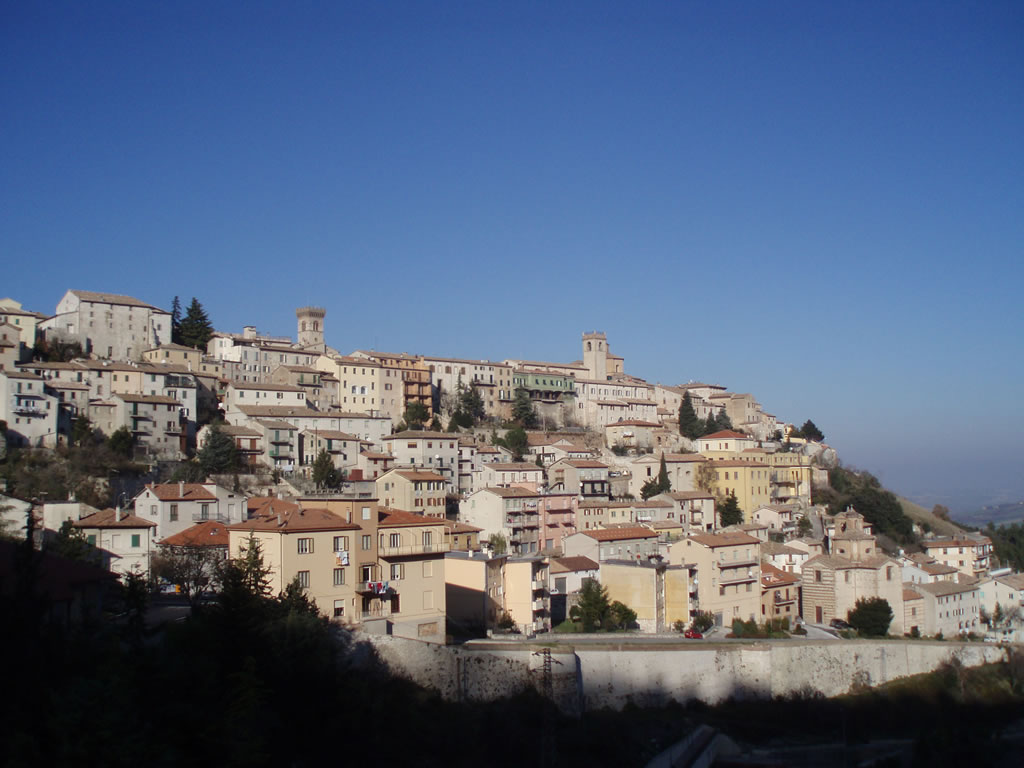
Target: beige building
313, 546
412, 550
157, 424
173, 507
631, 434
419, 492
583, 477
634, 543
29, 408
431, 451
728, 574
482, 588
512, 473
25, 321
657, 591
951, 608
321, 388
780, 594
510, 512
971, 556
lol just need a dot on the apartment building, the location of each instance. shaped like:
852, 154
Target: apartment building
681, 468
417, 491
173, 507
950, 608
481, 588
434, 451
411, 549
969, 555
584, 477
29, 408
124, 540
658, 592
728, 574
512, 512
635, 543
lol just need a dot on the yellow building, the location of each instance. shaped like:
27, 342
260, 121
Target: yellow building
658, 592
414, 491
482, 588
411, 550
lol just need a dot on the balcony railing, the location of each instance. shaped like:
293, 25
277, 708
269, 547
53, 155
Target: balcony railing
738, 579
413, 549
216, 517
745, 563
540, 584
29, 410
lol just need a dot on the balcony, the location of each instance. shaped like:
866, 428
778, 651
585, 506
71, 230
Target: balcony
539, 605
29, 410
217, 517
413, 549
745, 563
737, 579
540, 584
780, 599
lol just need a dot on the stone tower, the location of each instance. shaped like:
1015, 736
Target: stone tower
311, 326
595, 355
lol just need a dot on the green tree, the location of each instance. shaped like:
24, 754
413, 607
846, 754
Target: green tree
702, 621
723, 421
122, 442
71, 543
522, 410
471, 404
689, 424
255, 575
650, 488
296, 599
195, 329
810, 432
871, 616
664, 484
416, 415
804, 526
325, 474
497, 544
176, 321
219, 453
435, 424
516, 441
710, 426
729, 511
592, 607
621, 616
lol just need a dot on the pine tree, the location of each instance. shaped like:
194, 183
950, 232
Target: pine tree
711, 425
689, 424
176, 321
195, 330
218, 454
522, 410
324, 473
723, 420
729, 511
809, 431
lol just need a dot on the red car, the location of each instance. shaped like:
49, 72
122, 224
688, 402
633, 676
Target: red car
693, 634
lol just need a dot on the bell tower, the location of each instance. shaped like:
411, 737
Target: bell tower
311, 326
595, 355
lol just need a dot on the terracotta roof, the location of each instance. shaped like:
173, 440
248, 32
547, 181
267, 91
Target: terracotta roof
330, 434
454, 526
909, 594
617, 534
233, 431
937, 569
941, 588
775, 548
375, 455
181, 492
269, 505
108, 518
514, 466
726, 434
723, 539
276, 424
205, 534
686, 495
955, 542
269, 386
776, 577
297, 520
151, 399
573, 563
397, 518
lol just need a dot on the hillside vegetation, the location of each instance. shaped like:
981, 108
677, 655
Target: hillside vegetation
863, 491
928, 519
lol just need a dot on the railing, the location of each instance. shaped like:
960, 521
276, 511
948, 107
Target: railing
747, 563
413, 549
539, 584
199, 517
539, 605
27, 410
737, 580
780, 600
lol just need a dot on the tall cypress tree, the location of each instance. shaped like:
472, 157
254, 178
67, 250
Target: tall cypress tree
724, 422
176, 321
689, 424
664, 484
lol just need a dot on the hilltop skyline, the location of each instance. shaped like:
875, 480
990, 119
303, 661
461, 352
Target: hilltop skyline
817, 205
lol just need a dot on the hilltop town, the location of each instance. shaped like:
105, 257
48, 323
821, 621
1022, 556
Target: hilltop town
431, 497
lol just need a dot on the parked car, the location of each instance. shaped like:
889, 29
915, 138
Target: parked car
839, 624
693, 634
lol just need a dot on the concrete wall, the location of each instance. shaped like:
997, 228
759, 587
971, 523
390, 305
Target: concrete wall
609, 674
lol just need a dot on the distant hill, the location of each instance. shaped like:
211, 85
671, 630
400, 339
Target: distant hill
919, 514
1000, 514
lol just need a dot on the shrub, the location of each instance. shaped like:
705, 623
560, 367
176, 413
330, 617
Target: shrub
871, 617
702, 621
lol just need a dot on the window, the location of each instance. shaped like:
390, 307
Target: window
428, 599
428, 569
366, 573
817, 576
394, 540
428, 538
340, 543
366, 513
91, 538
397, 571
888, 573
136, 540
304, 579
339, 577
365, 542
174, 513
305, 546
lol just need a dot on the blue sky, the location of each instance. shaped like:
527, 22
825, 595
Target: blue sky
819, 203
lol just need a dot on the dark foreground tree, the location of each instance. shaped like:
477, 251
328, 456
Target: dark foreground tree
810, 432
192, 569
729, 511
122, 442
325, 474
592, 607
176, 321
871, 616
522, 410
416, 415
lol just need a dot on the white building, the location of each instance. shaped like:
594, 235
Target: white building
29, 410
108, 325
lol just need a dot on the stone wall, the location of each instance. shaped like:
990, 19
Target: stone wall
596, 675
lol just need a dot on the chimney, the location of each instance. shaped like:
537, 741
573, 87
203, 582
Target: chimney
279, 518
181, 488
